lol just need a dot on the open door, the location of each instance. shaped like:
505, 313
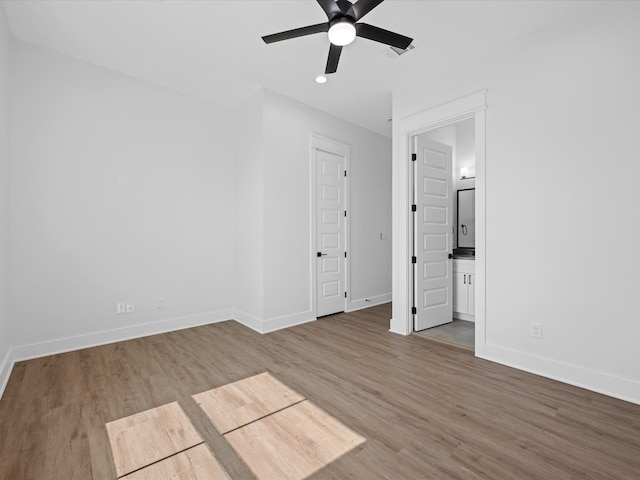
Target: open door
433, 278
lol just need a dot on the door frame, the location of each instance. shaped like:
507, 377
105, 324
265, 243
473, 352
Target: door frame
471, 106
316, 142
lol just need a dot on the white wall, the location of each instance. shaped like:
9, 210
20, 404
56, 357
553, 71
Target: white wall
465, 154
121, 191
5, 342
288, 125
249, 258
561, 200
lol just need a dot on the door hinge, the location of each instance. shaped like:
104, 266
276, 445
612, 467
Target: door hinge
345, 213
414, 310
414, 259
414, 208
345, 254
345, 173
414, 157
345, 294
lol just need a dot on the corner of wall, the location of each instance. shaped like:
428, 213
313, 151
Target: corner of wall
6, 367
6, 364
362, 303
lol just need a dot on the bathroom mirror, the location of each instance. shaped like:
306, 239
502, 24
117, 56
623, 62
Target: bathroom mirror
467, 218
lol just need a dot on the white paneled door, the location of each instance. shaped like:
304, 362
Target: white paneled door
330, 233
433, 225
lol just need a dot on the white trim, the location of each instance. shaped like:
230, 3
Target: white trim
248, 320
473, 105
601, 382
77, 342
468, 317
6, 367
278, 323
68, 344
317, 142
445, 114
269, 325
480, 264
354, 305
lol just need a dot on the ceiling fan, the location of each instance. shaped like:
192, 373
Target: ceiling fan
343, 27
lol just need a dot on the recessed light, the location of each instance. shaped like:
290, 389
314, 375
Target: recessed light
321, 79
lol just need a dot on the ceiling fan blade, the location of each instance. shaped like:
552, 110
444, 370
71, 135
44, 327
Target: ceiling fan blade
362, 7
334, 58
296, 32
381, 35
331, 8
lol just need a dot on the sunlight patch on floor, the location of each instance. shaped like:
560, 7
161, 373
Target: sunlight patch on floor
274, 430
147, 437
197, 463
293, 443
245, 401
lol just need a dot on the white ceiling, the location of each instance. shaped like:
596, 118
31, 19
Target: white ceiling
213, 49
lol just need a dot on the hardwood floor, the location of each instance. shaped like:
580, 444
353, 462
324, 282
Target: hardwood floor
426, 410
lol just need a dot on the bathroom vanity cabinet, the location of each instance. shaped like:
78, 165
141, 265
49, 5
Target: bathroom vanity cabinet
464, 289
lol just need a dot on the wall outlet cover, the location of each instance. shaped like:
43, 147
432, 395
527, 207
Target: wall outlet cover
536, 330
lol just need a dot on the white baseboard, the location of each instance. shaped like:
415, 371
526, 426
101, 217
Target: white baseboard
399, 327
613, 386
354, 305
248, 320
464, 316
286, 321
62, 345
272, 324
600, 382
5, 371
67, 344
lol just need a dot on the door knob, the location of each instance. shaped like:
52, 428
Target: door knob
320, 254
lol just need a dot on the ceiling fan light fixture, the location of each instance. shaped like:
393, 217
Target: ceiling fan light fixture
342, 32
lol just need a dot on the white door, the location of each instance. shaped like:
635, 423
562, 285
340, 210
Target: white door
434, 202
330, 233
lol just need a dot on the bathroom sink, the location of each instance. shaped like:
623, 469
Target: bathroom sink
464, 253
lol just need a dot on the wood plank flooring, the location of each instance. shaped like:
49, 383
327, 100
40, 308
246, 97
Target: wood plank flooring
234, 405
148, 437
196, 463
293, 443
427, 410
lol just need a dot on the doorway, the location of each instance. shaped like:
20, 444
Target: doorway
472, 106
432, 225
329, 225
444, 238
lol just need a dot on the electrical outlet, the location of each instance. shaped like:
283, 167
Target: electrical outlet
536, 330
160, 302
131, 307
120, 308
